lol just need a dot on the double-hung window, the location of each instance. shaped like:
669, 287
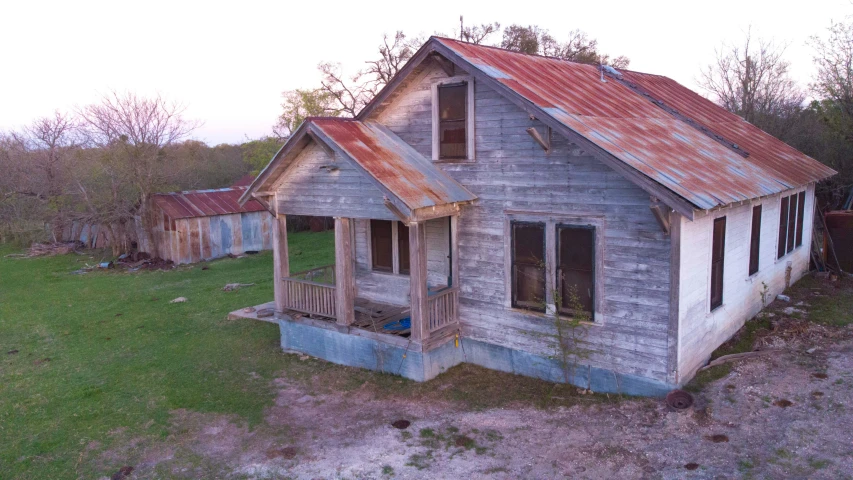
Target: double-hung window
453, 119
388, 255
576, 268
755, 240
553, 256
718, 253
528, 265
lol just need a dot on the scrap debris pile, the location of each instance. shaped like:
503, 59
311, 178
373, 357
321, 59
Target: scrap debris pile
48, 249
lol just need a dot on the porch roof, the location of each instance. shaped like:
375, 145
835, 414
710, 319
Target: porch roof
397, 168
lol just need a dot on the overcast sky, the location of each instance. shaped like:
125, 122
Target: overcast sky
230, 61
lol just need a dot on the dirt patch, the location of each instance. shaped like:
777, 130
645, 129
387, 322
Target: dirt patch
784, 415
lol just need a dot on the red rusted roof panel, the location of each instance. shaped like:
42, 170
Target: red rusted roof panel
204, 203
392, 162
632, 128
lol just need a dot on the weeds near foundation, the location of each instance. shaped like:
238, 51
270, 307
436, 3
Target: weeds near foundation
571, 334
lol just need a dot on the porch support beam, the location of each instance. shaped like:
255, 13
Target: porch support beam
281, 261
418, 282
344, 280
454, 251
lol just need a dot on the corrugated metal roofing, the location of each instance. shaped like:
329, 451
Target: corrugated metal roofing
392, 162
628, 125
204, 203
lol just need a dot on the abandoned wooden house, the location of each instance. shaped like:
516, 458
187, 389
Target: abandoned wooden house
196, 225
485, 196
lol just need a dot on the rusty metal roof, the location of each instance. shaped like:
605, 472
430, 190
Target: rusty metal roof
204, 203
672, 135
403, 171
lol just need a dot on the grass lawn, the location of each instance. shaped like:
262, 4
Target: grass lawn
92, 363
106, 351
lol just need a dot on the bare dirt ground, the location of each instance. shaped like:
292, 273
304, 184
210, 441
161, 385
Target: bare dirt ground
783, 415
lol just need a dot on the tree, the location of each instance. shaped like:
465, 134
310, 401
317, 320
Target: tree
36, 165
258, 153
300, 104
833, 86
129, 138
477, 34
578, 47
349, 95
752, 80
834, 79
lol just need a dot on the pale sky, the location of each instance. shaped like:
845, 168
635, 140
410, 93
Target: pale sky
230, 61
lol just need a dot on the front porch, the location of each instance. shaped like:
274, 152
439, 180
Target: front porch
330, 294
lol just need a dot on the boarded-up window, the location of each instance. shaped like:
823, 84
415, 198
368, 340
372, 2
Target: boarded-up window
801, 211
718, 251
576, 268
755, 239
783, 227
528, 265
452, 108
381, 244
403, 246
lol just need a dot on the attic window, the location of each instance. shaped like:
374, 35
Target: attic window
453, 119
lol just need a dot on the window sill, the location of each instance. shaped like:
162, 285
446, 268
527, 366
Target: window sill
785, 257
453, 160
388, 274
549, 316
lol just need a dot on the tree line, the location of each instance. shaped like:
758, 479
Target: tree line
100, 163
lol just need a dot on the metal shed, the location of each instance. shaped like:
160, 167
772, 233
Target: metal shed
197, 225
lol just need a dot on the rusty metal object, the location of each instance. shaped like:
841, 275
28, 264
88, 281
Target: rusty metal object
392, 162
203, 203
695, 159
679, 400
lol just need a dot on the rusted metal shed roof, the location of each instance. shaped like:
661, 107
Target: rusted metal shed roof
403, 171
672, 135
204, 203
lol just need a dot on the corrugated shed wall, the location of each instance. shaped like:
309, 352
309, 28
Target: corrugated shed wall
204, 238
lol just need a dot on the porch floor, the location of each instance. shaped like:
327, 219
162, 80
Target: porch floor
369, 315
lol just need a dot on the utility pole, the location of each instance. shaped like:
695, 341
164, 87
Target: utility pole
461, 29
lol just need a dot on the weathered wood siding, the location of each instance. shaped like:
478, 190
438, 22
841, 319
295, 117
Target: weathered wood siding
702, 331
205, 238
394, 288
513, 173
306, 189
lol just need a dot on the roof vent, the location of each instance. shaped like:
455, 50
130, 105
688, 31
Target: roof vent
611, 71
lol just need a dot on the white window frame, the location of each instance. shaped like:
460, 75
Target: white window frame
791, 193
469, 113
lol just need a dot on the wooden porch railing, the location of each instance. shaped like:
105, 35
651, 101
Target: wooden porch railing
312, 291
442, 308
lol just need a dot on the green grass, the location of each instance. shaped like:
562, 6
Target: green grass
122, 357
122, 360
830, 308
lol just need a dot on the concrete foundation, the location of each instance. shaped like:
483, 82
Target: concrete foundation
396, 355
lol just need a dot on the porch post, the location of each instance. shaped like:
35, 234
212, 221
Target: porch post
418, 277
454, 251
344, 286
281, 261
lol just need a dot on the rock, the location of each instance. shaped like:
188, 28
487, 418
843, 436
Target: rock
265, 312
179, 300
811, 350
783, 298
249, 309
